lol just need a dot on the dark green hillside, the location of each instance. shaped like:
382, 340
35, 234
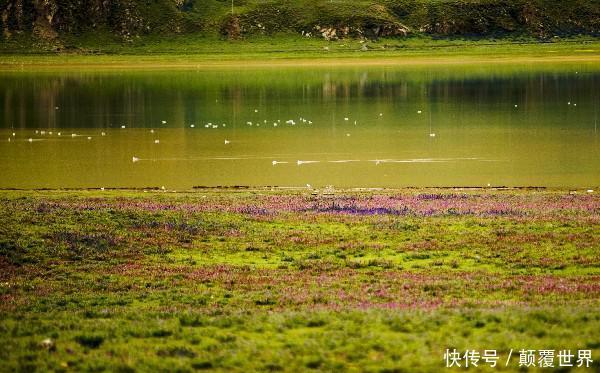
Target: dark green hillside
66, 24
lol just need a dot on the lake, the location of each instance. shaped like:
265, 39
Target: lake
438, 125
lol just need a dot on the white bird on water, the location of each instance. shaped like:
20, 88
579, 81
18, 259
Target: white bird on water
299, 162
227, 142
134, 159
278, 162
432, 135
122, 126
164, 122
344, 161
419, 111
157, 141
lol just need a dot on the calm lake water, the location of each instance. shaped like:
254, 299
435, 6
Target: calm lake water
347, 127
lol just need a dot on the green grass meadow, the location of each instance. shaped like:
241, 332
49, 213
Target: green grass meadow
261, 280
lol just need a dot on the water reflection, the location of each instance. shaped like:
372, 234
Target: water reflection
350, 127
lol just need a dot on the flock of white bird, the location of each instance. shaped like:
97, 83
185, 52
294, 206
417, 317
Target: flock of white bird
210, 125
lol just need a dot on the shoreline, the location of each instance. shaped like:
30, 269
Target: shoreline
49, 62
327, 55
315, 191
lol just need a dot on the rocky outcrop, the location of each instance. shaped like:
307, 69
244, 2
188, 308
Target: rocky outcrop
49, 19
231, 28
372, 32
540, 18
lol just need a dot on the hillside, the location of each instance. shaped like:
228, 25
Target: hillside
67, 24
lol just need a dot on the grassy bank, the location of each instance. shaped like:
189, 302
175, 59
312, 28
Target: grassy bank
301, 52
273, 280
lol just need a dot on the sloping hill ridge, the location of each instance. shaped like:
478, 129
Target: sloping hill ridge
52, 20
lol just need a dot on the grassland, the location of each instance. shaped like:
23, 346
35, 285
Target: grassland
288, 281
295, 51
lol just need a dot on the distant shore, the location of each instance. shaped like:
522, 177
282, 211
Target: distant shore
261, 53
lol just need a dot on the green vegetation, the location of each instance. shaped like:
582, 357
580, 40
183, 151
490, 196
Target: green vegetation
183, 52
272, 280
187, 25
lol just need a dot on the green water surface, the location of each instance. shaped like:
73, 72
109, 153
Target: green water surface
445, 125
